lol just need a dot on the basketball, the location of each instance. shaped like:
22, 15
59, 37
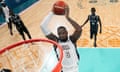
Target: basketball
59, 8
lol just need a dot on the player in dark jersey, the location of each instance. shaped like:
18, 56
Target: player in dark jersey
94, 19
21, 28
68, 43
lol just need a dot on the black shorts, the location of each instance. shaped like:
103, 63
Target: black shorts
93, 29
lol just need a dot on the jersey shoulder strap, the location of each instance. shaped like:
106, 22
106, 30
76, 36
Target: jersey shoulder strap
96, 16
91, 17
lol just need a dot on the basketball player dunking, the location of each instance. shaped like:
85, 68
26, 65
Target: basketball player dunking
94, 19
71, 56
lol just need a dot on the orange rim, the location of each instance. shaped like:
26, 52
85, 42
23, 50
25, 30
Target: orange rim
57, 68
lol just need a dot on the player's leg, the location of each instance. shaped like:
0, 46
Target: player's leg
91, 31
27, 32
23, 36
95, 40
10, 27
91, 34
21, 32
95, 35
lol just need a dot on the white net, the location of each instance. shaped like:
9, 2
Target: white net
31, 57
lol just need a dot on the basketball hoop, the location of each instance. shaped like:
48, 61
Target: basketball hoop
7, 54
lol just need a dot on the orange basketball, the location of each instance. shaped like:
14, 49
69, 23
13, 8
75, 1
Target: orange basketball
59, 8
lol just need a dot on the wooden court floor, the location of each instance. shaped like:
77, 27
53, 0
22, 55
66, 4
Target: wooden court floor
109, 13
32, 17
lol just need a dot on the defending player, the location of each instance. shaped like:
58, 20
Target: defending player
71, 56
16, 20
94, 19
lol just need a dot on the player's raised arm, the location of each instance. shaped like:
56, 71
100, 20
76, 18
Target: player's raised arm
77, 27
44, 28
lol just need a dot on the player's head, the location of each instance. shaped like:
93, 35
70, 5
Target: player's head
62, 33
93, 10
3, 4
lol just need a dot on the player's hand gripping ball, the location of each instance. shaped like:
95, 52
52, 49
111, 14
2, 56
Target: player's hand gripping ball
59, 8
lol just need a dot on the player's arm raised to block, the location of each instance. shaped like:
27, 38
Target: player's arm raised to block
44, 28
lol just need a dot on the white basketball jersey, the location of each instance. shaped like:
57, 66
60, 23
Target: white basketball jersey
6, 12
69, 54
